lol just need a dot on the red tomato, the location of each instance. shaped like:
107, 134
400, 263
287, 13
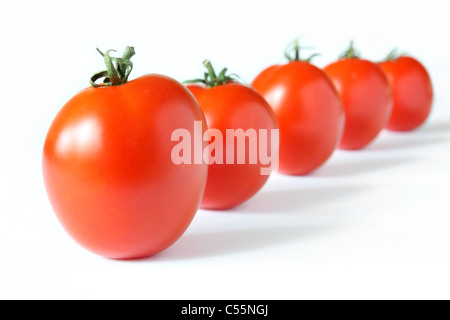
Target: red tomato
309, 113
228, 105
366, 97
412, 93
108, 171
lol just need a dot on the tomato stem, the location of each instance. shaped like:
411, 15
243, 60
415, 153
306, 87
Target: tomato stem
117, 69
350, 53
393, 55
292, 52
211, 79
209, 67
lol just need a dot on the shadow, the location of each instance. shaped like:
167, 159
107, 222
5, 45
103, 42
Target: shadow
429, 134
437, 127
212, 244
295, 201
363, 166
397, 142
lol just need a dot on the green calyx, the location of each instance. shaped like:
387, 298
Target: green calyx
117, 69
292, 52
350, 53
394, 55
211, 79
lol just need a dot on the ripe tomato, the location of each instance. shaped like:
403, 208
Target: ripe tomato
228, 105
366, 97
309, 113
412, 92
107, 165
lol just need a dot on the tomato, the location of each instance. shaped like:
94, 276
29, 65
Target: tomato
231, 106
412, 92
366, 97
309, 113
107, 165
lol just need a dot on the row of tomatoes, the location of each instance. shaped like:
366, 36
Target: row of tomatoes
107, 162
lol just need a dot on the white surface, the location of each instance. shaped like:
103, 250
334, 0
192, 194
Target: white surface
369, 224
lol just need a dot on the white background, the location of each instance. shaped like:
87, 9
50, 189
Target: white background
373, 224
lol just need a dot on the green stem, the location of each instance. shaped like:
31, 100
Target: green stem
292, 52
293, 46
350, 53
211, 79
393, 55
209, 67
297, 50
117, 69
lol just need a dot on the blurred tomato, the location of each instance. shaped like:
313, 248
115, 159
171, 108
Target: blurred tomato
412, 92
309, 113
232, 107
366, 97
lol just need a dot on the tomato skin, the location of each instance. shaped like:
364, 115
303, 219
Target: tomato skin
108, 172
412, 93
309, 113
366, 97
233, 106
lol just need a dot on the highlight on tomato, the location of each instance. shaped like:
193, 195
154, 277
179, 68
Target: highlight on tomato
107, 163
366, 96
308, 109
243, 136
411, 89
